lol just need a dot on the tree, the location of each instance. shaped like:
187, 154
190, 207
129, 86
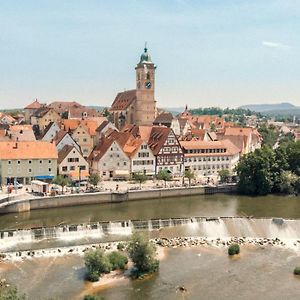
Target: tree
94, 179
142, 253
62, 181
224, 175
289, 183
140, 178
190, 175
164, 175
8, 292
269, 134
293, 156
254, 171
96, 263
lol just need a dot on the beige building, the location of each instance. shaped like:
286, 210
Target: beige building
209, 157
137, 106
31, 109
43, 116
71, 162
109, 160
24, 161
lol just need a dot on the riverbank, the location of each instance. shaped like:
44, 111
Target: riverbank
35, 203
161, 243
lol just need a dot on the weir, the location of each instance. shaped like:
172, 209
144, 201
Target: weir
212, 227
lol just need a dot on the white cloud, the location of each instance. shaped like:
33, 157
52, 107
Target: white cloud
269, 44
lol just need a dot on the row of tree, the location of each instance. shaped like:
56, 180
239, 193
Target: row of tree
220, 112
268, 170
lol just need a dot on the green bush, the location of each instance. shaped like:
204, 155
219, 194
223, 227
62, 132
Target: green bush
92, 276
117, 260
297, 271
233, 249
142, 253
10, 293
92, 297
96, 263
121, 246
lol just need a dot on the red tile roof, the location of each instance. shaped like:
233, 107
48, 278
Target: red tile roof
28, 150
123, 100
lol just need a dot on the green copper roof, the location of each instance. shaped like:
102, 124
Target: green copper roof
145, 57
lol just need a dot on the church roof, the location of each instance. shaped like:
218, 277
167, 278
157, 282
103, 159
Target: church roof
123, 100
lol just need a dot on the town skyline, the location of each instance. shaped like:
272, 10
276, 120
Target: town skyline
208, 54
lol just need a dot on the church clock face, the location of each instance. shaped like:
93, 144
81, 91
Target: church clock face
148, 85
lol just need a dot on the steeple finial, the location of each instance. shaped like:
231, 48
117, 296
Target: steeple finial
145, 49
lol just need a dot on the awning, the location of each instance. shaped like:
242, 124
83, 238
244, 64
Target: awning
122, 173
75, 174
44, 177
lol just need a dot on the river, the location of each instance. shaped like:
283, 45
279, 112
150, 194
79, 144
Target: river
206, 272
203, 205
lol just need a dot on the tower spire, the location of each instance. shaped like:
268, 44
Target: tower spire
145, 49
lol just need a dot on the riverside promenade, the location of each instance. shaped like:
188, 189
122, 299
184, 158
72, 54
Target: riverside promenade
15, 204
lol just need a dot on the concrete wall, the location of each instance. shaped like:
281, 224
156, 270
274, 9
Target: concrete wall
100, 198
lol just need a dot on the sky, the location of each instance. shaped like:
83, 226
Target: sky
208, 52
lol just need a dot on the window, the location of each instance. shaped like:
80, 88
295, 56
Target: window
29, 170
9, 162
30, 162
49, 169
104, 164
41, 161
19, 162
125, 163
49, 161
64, 168
76, 159
72, 168
82, 168
85, 140
104, 173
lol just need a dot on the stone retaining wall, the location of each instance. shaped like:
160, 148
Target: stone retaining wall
105, 197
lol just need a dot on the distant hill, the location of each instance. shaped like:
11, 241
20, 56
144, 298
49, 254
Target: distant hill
174, 110
270, 107
96, 107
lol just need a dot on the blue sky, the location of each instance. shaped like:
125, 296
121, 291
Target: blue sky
208, 53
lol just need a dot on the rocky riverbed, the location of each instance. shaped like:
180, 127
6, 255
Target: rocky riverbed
161, 242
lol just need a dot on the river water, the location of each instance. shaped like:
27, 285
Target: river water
206, 272
204, 205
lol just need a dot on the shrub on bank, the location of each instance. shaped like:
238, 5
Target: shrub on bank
121, 246
92, 297
297, 271
233, 249
117, 260
96, 263
142, 253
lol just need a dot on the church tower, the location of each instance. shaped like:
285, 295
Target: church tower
145, 106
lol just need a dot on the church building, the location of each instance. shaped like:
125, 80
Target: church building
137, 106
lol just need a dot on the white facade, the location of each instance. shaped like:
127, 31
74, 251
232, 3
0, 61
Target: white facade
143, 161
72, 162
67, 140
51, 133
113, 163
208, 158
175, 125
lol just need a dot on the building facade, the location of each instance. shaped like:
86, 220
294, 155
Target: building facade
207, 158
24, 161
